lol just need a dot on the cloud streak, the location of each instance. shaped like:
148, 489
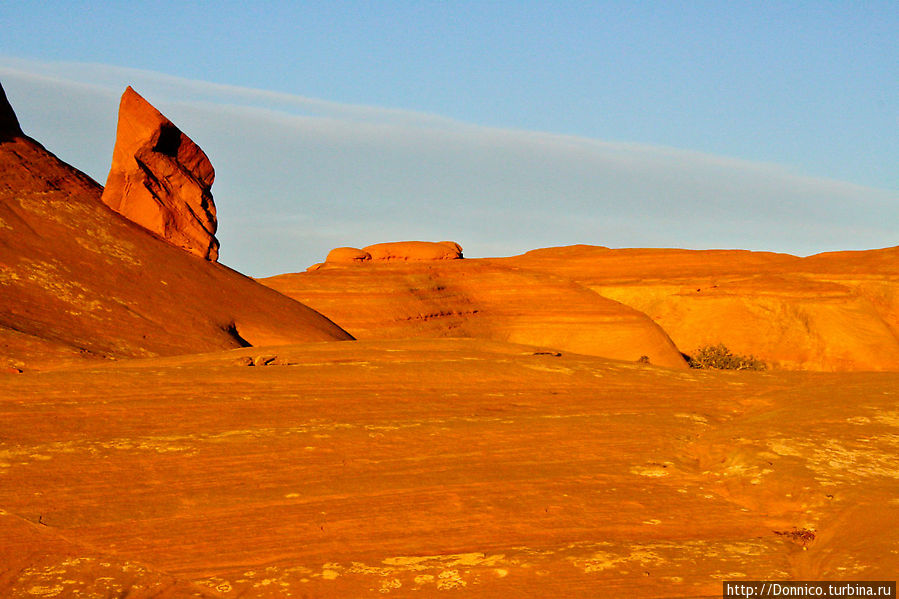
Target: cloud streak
297, 176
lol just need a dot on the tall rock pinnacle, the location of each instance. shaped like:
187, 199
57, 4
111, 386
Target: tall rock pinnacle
161, 180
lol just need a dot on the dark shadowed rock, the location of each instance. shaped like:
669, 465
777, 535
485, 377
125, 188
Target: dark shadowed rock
9, 124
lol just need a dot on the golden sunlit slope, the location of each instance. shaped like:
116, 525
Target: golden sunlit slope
872, 274
440, 467
867, 263
474, 298
837, 311
78, 280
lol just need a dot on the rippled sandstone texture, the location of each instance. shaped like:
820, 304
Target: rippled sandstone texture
440, 468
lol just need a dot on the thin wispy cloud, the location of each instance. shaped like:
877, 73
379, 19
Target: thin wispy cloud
296, 176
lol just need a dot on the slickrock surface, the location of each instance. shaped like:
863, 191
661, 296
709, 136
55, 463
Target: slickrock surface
440, 468
834, 312
78, 280
44, 563
161, 180
474, 298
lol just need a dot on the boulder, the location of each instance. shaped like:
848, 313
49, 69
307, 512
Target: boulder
347, 255
161, 180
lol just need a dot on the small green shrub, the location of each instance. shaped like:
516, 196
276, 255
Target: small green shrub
718, 357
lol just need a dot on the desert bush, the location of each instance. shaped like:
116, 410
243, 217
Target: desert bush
718, 357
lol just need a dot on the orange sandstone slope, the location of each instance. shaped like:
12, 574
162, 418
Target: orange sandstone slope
434, 467
78, 280
405, 290
871, 274
836, 311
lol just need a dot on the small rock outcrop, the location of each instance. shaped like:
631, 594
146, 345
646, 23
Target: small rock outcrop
347, 255
161, 180
9, 124
415, 251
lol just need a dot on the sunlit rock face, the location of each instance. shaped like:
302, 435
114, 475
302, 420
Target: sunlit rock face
161, 180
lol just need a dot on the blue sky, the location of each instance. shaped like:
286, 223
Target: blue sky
757, 113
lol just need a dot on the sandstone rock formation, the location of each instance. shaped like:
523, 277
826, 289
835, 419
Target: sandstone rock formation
347, 255
831, 312
79, 281
478, 299
161, 180
415, 251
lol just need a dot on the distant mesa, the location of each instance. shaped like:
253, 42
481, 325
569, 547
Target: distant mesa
415, 251
396, 251
161, 180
